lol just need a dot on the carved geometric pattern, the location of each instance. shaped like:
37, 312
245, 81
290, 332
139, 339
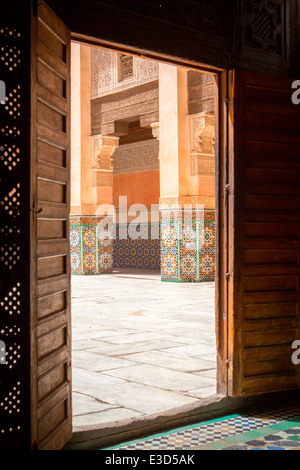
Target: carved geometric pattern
12, 232
125, 67
202, 165
12, 104
11, 402
9, 33
12, 355
10, 330
10, 57
139, 156
108, 74
102, 179
11, 202
9, 156
11, 304
10, 131
264, 25
2, 353
10, 255
12, 236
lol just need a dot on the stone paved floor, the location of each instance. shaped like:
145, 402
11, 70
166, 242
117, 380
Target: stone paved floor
140, 346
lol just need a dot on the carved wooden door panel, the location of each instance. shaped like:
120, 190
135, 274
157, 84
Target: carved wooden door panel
51, 414
264, 212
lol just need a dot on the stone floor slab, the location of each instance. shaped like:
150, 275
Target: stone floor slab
131, 348
203, 392
212, 374
138, 397
88, 344
127, 338
82, 380
161, 377
140, 345
85, 405
98, 362
172, 361
195, 350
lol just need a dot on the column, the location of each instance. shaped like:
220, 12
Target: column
187, 241
91, 177
103, 148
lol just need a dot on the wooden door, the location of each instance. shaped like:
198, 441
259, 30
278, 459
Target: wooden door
264, 237
221, 291
51, 414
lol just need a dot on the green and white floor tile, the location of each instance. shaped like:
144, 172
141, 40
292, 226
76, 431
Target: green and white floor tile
271, 429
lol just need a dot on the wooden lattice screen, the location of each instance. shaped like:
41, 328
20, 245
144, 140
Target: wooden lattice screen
14, 227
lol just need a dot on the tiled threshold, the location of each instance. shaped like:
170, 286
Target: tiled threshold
217, 406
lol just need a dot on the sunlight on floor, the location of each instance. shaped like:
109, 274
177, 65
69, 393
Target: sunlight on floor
140, 346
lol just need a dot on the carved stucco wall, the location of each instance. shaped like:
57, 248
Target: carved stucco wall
137, 102
137, 98
138, 156
106, 76
200, 92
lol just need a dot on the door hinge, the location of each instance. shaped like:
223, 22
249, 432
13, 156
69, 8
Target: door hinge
229, 360
227, 189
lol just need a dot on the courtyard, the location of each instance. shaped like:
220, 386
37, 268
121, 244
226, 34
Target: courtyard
141, 347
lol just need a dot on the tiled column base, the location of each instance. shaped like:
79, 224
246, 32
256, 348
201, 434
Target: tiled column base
142, 252
91, 246
188, 247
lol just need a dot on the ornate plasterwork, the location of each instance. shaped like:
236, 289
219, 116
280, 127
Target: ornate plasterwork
155, 130
201, 92
139, 156
142, 102
202, 165
103, 148
202, 133
125, 67
102, 179
112, 72
202, 144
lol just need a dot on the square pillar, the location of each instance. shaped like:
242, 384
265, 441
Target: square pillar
186, 176
91, 245
187, 242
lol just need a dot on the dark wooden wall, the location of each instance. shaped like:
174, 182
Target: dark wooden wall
259, 35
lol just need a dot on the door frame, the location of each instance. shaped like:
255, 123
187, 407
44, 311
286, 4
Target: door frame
223, 81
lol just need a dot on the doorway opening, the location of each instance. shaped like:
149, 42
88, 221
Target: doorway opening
142, 236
